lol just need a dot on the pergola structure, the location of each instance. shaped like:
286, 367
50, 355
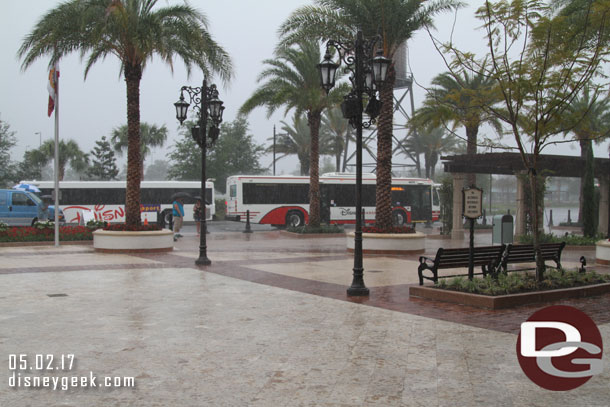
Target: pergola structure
512, 164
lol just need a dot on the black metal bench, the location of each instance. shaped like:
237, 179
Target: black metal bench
525, 253
484, 257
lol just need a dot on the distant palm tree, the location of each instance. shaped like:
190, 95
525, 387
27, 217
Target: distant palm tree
432, 142
150, 136
295, 139
69, 154
339, 128
459, 100
292, 81
588, 119
397, 21
133, 31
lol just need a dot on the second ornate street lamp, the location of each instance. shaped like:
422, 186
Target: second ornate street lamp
205, 101
367, 71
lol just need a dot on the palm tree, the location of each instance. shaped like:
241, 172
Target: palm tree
432, 142
133, 31
459, 100
292, 81
69, 153
339, 131
588, 119
396, 21
150, 136
296, 140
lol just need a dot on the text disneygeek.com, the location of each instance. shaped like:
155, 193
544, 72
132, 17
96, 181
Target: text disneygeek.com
21, 367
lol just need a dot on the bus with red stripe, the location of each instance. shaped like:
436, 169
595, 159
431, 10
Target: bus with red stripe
284, 200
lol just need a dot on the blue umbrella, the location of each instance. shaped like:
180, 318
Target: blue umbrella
27, 187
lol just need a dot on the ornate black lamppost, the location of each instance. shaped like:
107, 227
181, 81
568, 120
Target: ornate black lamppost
367, 73
205, 101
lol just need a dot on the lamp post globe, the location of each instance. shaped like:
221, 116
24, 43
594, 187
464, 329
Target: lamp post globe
216, 108
181, 109
380, 67
328, 71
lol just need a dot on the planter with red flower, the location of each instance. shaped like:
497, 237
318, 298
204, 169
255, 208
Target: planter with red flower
397, 240
121, 238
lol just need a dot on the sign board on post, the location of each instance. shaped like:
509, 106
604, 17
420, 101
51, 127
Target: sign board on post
472, 208
472, 199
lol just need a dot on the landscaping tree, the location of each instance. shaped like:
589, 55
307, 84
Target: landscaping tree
7, 142
292, 81
396, 21
69, 154
235, 152
459, 99
540, 63
432, 142
134, 31
295, 139
103, 162
588, 116
339, 130
157, 171
589, 202
150, 136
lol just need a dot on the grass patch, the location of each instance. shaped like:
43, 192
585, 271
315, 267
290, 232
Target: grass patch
320, 229
570, 239
514, 283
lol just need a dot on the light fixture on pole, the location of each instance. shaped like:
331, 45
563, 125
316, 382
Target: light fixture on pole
210, 108
368, 73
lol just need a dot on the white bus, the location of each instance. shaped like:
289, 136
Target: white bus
106, 199
284, 200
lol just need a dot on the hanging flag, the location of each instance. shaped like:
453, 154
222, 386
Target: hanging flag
52, 87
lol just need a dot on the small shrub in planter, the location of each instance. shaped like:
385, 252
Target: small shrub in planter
523, 282
393, 229
3, 227
122, 227
96, 224
312, 230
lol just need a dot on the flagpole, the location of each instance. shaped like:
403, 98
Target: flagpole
56, 158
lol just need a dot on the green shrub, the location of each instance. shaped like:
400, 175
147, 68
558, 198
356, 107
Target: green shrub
570, 239
320, 229
221, 209
513, 283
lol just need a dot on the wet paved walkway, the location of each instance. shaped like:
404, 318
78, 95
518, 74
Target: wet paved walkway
267, 324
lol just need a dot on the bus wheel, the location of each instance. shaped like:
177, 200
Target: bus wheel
295, 219
167, 218
34, 221
399, 218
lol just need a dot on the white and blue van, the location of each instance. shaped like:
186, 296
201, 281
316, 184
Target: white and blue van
21, 208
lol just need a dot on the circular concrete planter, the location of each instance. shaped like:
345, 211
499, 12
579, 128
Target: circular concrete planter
129, 242
602, 252
389, 243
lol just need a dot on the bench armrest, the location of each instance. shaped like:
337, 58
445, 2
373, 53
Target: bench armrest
425, 260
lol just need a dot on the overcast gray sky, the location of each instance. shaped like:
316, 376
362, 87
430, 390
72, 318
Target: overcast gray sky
247, 29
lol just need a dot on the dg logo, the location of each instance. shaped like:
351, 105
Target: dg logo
560, 348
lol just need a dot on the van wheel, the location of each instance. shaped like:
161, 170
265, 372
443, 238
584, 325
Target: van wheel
399, 218
295, 219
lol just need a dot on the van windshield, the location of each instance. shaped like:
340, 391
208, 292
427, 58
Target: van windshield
35, 198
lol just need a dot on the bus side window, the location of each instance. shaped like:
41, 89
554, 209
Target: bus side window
233, 191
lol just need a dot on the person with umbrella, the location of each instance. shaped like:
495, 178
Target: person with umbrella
178, 212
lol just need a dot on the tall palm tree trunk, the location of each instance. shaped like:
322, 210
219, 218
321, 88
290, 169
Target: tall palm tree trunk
314, 119
383, 210
345, 147
585, 145
133, 75
471, 148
